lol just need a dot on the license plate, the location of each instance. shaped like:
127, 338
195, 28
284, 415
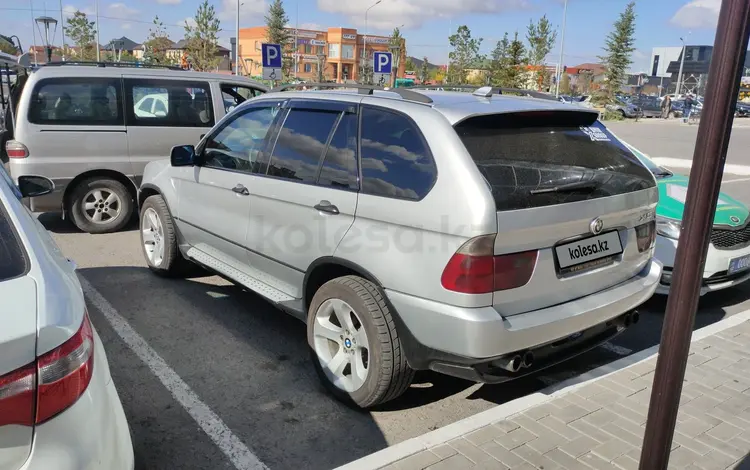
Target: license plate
589, 252
739, 264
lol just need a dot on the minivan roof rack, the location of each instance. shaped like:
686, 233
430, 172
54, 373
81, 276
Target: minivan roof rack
363, 89
485, 90
94, 63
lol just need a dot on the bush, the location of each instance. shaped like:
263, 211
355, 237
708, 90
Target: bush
608, 115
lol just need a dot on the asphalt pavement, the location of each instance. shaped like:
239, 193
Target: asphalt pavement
212, 376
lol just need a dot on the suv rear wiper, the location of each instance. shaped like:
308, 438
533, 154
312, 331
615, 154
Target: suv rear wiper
570, 187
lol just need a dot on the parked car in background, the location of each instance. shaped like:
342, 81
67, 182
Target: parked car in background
527, 256
58, 405
650, 106
742, 109
626, 109
728, 258
108, 123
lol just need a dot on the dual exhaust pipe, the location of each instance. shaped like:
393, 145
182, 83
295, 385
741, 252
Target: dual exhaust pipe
515, 362
630, 318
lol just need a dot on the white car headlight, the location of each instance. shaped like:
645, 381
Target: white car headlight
669, 228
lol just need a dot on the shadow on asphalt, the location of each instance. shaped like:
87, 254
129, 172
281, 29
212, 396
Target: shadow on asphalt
743, 464
245, 359
56, 224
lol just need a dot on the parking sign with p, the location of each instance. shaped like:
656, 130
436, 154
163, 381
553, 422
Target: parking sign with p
271, 58
382, 67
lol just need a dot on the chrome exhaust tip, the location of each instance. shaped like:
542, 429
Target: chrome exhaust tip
510, 363
528, 359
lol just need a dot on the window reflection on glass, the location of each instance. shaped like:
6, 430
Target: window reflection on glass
238, 144
395, 161
339, 169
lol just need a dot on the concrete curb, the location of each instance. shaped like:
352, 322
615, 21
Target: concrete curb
472, 423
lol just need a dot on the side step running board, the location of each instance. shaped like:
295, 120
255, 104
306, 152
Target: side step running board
242, 278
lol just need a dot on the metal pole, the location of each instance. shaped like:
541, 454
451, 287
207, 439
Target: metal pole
679, 75
730, 48
296, 45
661, 86
98, 42
237, 42
562, 49
33, 34
62, 24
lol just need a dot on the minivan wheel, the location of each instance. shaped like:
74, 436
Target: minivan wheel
354, 343
159, 240
100, 205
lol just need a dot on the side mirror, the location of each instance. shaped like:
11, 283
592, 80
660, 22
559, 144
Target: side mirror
33, 186
182, 155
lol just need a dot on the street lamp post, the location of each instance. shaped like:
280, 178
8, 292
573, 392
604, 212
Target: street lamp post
679, 75
562, 49
47, 22
364, 42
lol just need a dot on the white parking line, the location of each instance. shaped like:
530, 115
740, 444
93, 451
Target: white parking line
738, 180
568, 374
619, 350
731, 168
212, 425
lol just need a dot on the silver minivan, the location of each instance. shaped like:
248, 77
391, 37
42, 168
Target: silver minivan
93, 129
477, 235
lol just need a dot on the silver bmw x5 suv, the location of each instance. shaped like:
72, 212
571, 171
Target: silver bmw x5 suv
480, 235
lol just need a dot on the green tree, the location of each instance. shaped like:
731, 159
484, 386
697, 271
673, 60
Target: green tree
202, 39
409, 64
465, 52
276, 33
541, 38
619, 48
513, 73
157, 44
585, 79
397, 40
499, 61
83, 34
565, 84
424, 74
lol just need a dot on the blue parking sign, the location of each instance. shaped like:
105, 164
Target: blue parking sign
271, 59
382, 62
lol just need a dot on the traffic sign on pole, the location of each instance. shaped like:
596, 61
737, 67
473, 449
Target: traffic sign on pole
271, 58
382, 67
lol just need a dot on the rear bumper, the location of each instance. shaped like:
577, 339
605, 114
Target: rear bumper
439, 336
93, 434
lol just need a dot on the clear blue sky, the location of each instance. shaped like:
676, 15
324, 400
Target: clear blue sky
426, 22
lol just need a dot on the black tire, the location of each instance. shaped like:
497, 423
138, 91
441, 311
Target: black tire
173, 264
77, 200
389, 375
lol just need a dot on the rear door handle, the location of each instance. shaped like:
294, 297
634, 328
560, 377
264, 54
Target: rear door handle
327, 207
240, 189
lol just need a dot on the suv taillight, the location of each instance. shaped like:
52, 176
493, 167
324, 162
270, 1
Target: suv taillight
474, 269
646, 236
16, 149
43, 389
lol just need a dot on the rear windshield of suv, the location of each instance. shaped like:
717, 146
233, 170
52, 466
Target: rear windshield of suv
542, 158
13, 261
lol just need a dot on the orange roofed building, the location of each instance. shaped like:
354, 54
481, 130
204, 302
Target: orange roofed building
343, 49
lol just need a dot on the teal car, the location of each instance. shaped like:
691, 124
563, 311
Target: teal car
728, 257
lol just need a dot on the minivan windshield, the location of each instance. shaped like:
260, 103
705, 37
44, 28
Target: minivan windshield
541, 158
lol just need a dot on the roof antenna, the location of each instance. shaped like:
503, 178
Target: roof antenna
485, 92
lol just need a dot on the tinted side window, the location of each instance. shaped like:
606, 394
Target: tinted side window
77, 101
339, 169
181, 103
237, 146
13, 261
395, 159
300, 144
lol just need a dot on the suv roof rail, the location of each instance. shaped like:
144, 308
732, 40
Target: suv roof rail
487, 91
110, 64
363, 89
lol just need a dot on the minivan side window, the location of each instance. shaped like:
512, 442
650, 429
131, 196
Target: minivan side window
238, 145
395, 159
300, 144
234, 95
77, 101
177, 103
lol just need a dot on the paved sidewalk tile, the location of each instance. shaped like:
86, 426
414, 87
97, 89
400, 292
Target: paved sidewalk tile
600, 425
